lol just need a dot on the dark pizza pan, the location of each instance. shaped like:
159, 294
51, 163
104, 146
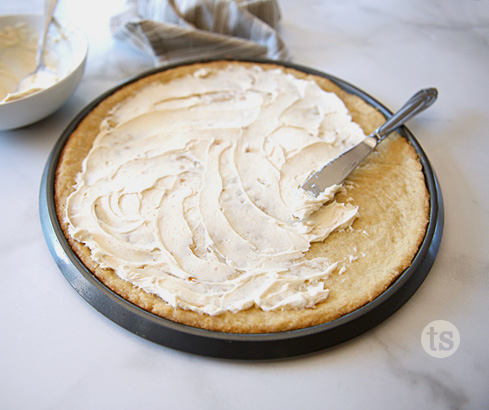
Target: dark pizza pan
229, 345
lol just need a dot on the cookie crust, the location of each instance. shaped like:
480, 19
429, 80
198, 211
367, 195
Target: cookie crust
389, 188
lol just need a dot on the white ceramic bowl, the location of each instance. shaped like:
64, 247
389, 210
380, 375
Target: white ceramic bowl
34, 107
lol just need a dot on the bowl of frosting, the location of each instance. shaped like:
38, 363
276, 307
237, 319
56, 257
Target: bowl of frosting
65, 57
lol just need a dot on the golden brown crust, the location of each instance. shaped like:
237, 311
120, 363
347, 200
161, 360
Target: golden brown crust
389, 189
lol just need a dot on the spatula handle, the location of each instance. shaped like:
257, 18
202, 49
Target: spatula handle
417, 103
49, 7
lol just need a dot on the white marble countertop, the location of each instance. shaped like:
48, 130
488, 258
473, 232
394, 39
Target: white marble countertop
59, 353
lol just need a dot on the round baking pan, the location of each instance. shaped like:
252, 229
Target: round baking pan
230, 345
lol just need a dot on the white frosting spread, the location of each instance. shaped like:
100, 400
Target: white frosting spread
189, 189
18, 48
305, 203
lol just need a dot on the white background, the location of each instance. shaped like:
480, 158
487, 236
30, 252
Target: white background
57, 352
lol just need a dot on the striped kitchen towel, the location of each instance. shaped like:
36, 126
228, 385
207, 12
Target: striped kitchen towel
171, 31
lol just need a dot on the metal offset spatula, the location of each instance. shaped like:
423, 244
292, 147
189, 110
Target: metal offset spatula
335, 172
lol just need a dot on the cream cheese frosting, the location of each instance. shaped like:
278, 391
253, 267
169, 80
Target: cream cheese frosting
190, 189
18, 49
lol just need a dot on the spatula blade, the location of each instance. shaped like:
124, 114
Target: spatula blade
336, 171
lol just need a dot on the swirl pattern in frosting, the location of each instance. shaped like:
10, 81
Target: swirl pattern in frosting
190, 189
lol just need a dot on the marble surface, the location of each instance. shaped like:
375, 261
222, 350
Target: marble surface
57, 352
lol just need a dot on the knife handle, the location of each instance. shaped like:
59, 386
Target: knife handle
417, 103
